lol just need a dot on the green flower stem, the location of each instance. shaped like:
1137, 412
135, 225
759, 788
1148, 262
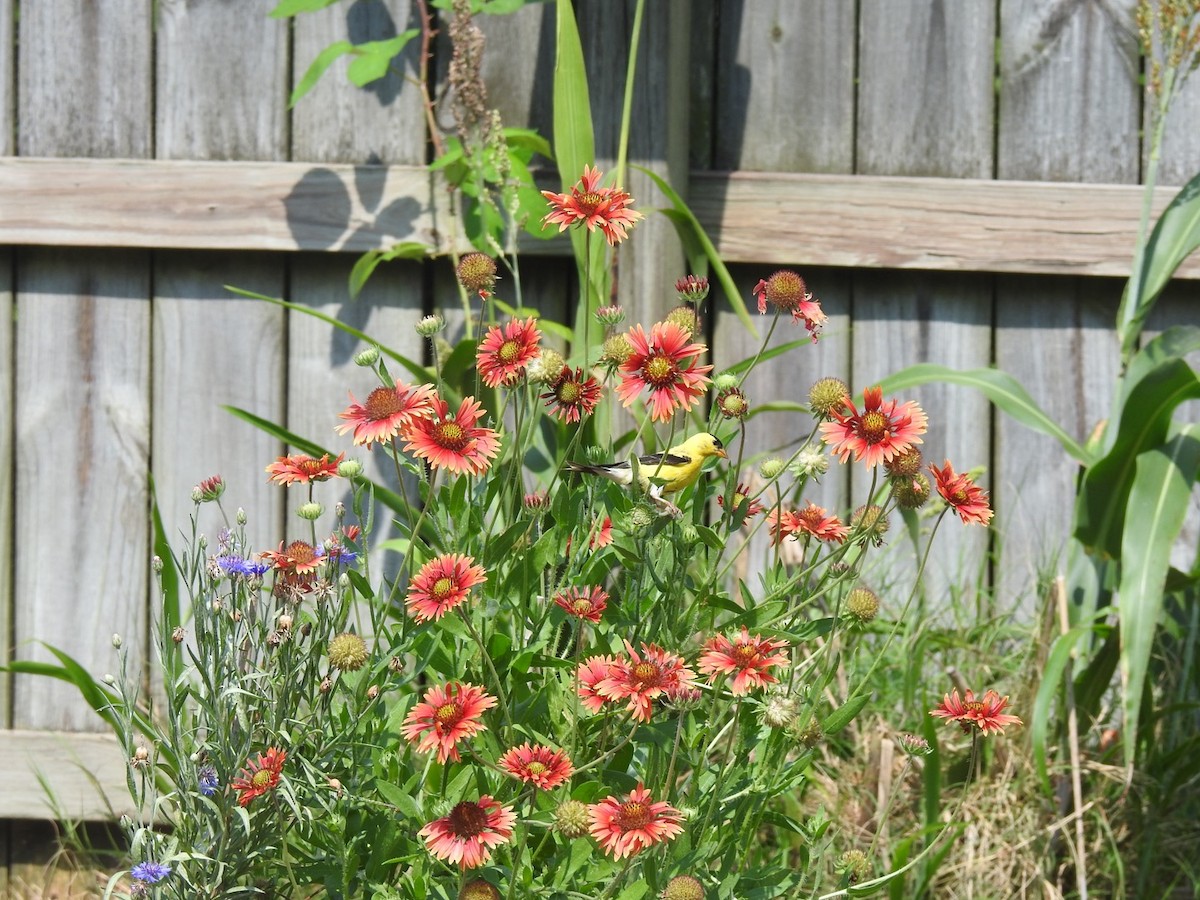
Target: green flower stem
503, 697
730, 758
617, 879
609, 754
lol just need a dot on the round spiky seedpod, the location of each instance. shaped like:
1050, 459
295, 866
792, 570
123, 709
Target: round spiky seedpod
347, 652
572, 819
683, 887
862, 605
477, 274
827, 396
911, 493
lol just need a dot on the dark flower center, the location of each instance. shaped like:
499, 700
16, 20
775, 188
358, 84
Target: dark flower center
568, 393
744, 654
300, 553
509, 352
468, 819
450, 435
382, 403
633, 815
442, 588
447, 713
647, 674
659, 370
582, 606
589, 202
785, 289
874, 427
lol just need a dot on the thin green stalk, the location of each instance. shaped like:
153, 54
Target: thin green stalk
627, 100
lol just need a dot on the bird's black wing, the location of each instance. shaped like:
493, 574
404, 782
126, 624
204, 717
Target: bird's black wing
672, 459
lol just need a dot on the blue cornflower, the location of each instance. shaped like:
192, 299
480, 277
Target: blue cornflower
207, 781
232, 564
150, 872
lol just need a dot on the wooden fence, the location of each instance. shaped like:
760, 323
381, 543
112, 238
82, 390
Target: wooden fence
958, 182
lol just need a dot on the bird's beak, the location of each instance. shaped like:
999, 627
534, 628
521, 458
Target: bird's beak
722, 454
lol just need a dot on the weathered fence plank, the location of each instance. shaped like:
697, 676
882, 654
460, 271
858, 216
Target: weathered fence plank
73, 765
803, 51
341, 123
649, 265
856, 221
82, 368
925, 108
1068, 111
225, 103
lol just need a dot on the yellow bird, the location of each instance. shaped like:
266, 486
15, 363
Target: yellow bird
662, 473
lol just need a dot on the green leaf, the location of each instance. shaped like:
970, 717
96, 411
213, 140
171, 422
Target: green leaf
1144, 423
369, 261
1050, 686
373, 59
1158, 503
714, 259
844, 714
1175, 236
169, 579
318, 67
288, 8
528, 139
574, 143
420, 372
999, 387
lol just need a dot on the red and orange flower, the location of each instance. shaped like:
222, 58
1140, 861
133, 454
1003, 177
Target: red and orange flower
593, 206
540, 766
303, 469
468, 833
748, 658
753, 508
664, 362
298, 558
880, 432
446, 716
442, 584
787, 292
504, 352
591, 673
967, 499
386, 412
572, 395
583, 603
626, 827
986, 714
641, 678
260, 776
453, 442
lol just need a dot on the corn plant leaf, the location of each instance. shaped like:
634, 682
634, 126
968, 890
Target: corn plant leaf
1000, 388
1175, 236
699, 236
1158, 502
1100, 506
1051, 681
168, 578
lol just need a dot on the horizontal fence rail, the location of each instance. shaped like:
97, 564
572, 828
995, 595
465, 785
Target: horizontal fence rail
941, 224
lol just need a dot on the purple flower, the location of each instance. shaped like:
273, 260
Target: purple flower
232, 564
207, 781
150, 872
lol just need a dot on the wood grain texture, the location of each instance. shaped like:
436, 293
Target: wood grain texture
518, 66
925, 104
775, 57
784, 86
1068, 111
1179, 162
8, 92
221, 79
7, 420
648, 265
925, 108
222, 90
339, 122
1068, 91
69, 762
938, 224
83, 367
95, 99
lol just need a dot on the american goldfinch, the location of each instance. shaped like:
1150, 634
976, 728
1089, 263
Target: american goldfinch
662, 473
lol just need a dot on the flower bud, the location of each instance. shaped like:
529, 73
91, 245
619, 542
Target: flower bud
810, 463
156, 564
685, 317
430, 325
339, 510
109, 680
395, 665
116, 642
616, 350
350, 468
310, 511
732, 404
546, 368
915, 745
827, 396
726, 380
692, 289
373, 692
326, 685
208, 490
240, 516
610, 315
178, 634
285, 622
854, 864
770, 468
367, 358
